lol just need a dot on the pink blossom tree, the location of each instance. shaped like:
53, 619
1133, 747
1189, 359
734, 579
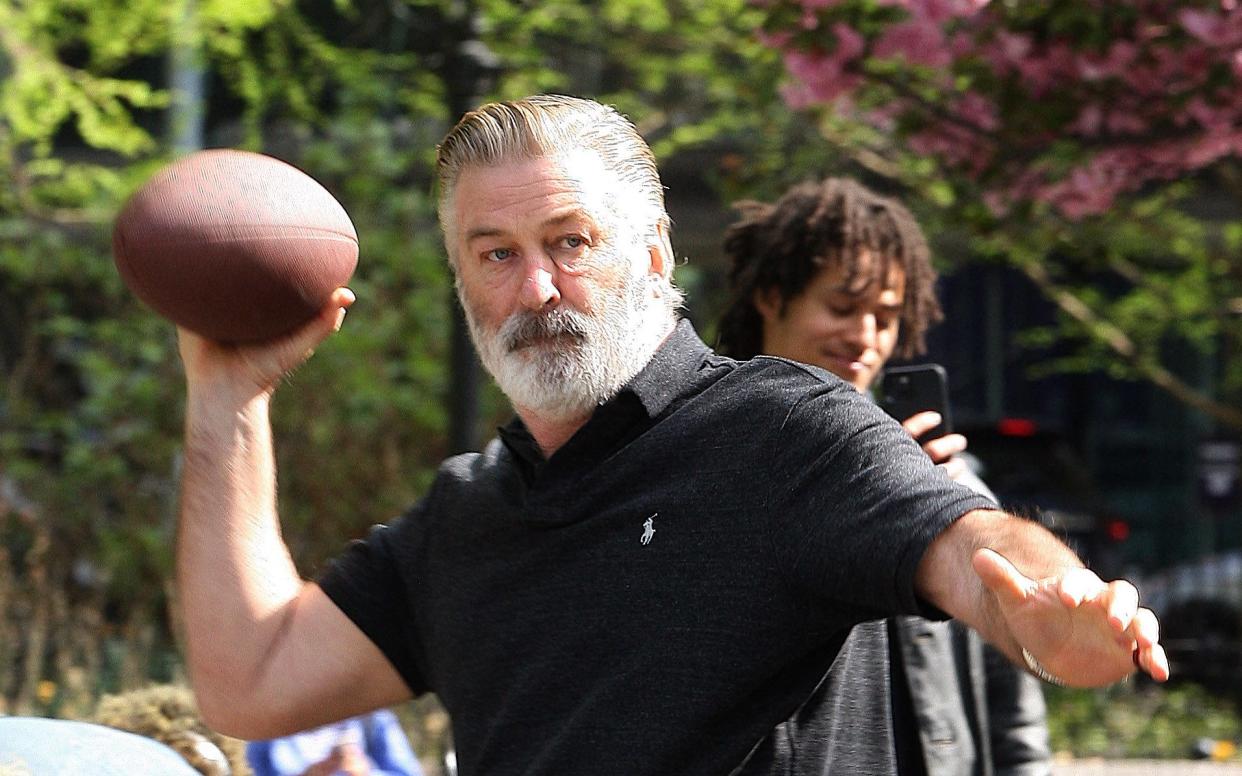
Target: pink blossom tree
1068, 103
1062, 134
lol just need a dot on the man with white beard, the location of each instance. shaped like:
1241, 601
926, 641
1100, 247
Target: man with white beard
658, 557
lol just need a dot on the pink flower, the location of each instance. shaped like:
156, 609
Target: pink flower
850, 43
811, 68
1042, 73
940, 11
1212, 147
1144, 80
918, 42
885, 117
1211, 117
997, 202
1014, 46
955, 146
1038, 74
962, 45
1122, 123
1204, 25
818, 77
796, 95
1089, 120
1112, 64
1087, 191
977, 110
777, 40
1120, 56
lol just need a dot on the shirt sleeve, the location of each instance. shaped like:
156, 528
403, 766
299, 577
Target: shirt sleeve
858, 502
370, 584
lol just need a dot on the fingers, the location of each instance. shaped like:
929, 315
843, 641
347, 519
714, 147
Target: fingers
919, 424
1149, 655
299, 345
341, 298
1122, 605
1120, 602
261, 365
332, 315
1154, 661
1145, 629
1085, 631
954, 467
1119, 599
941, 449
1078, 586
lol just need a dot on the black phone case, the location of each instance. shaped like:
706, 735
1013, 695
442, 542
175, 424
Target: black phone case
908, 390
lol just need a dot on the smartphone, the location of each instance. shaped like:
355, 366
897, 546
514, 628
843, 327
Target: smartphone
908, 390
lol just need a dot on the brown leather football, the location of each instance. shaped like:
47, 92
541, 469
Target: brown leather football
233, 245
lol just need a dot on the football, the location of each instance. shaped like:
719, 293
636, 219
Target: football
235, 246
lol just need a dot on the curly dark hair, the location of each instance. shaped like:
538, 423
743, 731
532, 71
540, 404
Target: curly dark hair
815, 226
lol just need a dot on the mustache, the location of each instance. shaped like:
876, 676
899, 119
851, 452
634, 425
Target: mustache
529, 328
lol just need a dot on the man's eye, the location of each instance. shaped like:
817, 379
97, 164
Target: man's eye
499, 254
572, 242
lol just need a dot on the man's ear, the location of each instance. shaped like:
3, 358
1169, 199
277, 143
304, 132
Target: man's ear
660, 252
768, 302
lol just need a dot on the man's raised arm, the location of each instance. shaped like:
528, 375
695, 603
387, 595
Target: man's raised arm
268, 653
1030, 596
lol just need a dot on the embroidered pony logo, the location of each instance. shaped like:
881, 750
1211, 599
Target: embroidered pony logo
648, 529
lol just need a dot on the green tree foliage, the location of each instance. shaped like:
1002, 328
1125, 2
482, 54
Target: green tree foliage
1126, 721
356, 93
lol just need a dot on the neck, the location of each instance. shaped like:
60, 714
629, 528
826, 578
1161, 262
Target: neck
550, 433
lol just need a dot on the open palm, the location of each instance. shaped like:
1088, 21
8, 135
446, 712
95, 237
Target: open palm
1084, 631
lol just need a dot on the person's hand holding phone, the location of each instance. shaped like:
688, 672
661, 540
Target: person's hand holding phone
941, 449
918, 397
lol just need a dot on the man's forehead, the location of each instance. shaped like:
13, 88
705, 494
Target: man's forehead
574, 176
867, 274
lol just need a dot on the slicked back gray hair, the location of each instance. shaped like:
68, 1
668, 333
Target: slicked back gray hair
547, 126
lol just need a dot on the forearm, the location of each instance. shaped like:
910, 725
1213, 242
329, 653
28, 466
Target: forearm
235, 576
945, 577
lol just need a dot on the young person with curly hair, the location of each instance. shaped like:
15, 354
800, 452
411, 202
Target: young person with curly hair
837, 276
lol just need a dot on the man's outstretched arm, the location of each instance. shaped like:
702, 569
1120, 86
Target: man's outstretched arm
1025, 591
268, 653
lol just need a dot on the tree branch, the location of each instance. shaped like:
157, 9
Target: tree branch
1120, 343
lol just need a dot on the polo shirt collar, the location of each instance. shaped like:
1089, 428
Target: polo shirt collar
671, 371
669, 374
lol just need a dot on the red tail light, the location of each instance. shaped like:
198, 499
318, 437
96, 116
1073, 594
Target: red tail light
1016, 427
1117, 530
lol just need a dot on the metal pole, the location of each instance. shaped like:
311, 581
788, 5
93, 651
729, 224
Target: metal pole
188, 78
469, 68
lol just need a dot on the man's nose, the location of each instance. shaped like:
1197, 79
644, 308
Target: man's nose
862, 330
539, 286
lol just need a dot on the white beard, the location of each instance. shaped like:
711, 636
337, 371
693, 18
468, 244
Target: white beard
564, 363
